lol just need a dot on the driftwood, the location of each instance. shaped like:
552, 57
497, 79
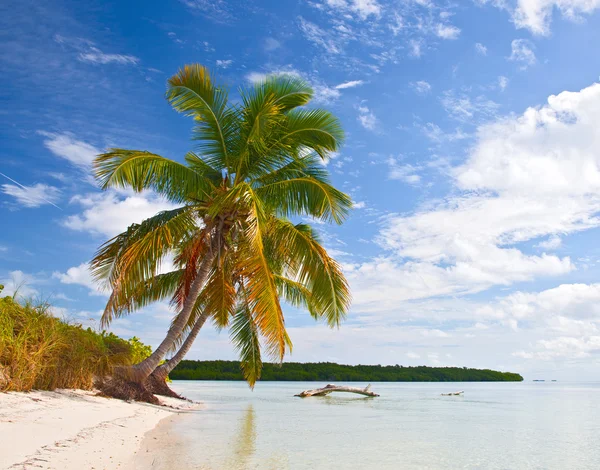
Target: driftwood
320, 392
452, 394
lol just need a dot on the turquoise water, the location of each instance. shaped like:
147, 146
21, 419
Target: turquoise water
493, 426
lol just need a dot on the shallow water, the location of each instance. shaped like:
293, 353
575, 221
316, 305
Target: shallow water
493, 426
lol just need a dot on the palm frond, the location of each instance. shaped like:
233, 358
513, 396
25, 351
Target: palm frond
306, 195
260, 288
157, 288
315, 129
308, 263
135, 255
245, 338
192, 92
140, 170
219, 294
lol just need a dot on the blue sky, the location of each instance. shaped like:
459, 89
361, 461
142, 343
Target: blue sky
472, 155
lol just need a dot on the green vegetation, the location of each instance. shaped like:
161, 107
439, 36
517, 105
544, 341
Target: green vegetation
42, 352
258, 162
331, 372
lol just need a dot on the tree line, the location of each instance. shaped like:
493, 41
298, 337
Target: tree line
330, 372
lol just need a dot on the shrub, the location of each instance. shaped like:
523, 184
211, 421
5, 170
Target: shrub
40, 351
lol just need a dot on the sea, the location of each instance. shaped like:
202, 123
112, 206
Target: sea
493, 425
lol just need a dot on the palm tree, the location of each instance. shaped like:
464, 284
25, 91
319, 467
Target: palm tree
257, 165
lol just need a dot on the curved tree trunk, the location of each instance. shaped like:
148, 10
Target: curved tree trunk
140, 372
162, 371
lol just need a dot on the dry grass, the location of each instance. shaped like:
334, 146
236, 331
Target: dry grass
40, 351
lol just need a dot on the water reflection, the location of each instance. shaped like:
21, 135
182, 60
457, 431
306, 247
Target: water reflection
245, 445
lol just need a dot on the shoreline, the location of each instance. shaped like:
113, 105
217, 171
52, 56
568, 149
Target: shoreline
77, 429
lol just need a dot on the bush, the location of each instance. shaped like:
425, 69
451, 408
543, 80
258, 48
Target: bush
40, 351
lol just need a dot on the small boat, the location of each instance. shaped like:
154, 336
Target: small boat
452, 394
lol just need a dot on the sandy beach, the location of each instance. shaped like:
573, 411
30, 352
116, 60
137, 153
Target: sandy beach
75, 429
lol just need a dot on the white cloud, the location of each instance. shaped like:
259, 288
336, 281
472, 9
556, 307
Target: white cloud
415, 48
480, 48
576, 301
367, 118
324, 94
110, 213
224, 63
18, 283
464, 108
551, 243
350, 84
527, 177
422, 87
256, 77
502, 82
96, 56
446, 31
318, 36
359, 205
80, 275
406, 173
536, 15
436, 134
363, 8
66, 146
271, 44
563, 347
522, 52
33, 196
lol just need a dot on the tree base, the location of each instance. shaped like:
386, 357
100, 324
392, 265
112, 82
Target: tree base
117, 387
158, 386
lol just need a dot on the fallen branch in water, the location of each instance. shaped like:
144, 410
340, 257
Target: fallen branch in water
451, 394
320, 392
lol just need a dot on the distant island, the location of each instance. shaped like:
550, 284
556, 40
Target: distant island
330, 372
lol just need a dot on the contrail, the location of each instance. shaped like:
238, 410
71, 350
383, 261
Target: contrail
25, 188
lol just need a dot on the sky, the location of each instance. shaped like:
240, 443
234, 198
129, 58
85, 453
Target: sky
472, 155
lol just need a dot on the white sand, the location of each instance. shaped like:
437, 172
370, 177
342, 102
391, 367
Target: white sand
74, 429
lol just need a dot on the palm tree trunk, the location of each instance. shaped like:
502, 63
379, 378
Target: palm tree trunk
162, 371
140, 372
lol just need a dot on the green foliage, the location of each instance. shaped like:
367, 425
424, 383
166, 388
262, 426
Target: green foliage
257, 163
331, 372
40, 351
139, 350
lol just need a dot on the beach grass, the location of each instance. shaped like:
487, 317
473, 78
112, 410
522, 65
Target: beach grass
40, 351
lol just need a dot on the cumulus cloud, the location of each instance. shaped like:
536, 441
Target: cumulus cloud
551, 243
18, 284
80, 275
480, 48
110, 213
536, 15
447, 31
527, 177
